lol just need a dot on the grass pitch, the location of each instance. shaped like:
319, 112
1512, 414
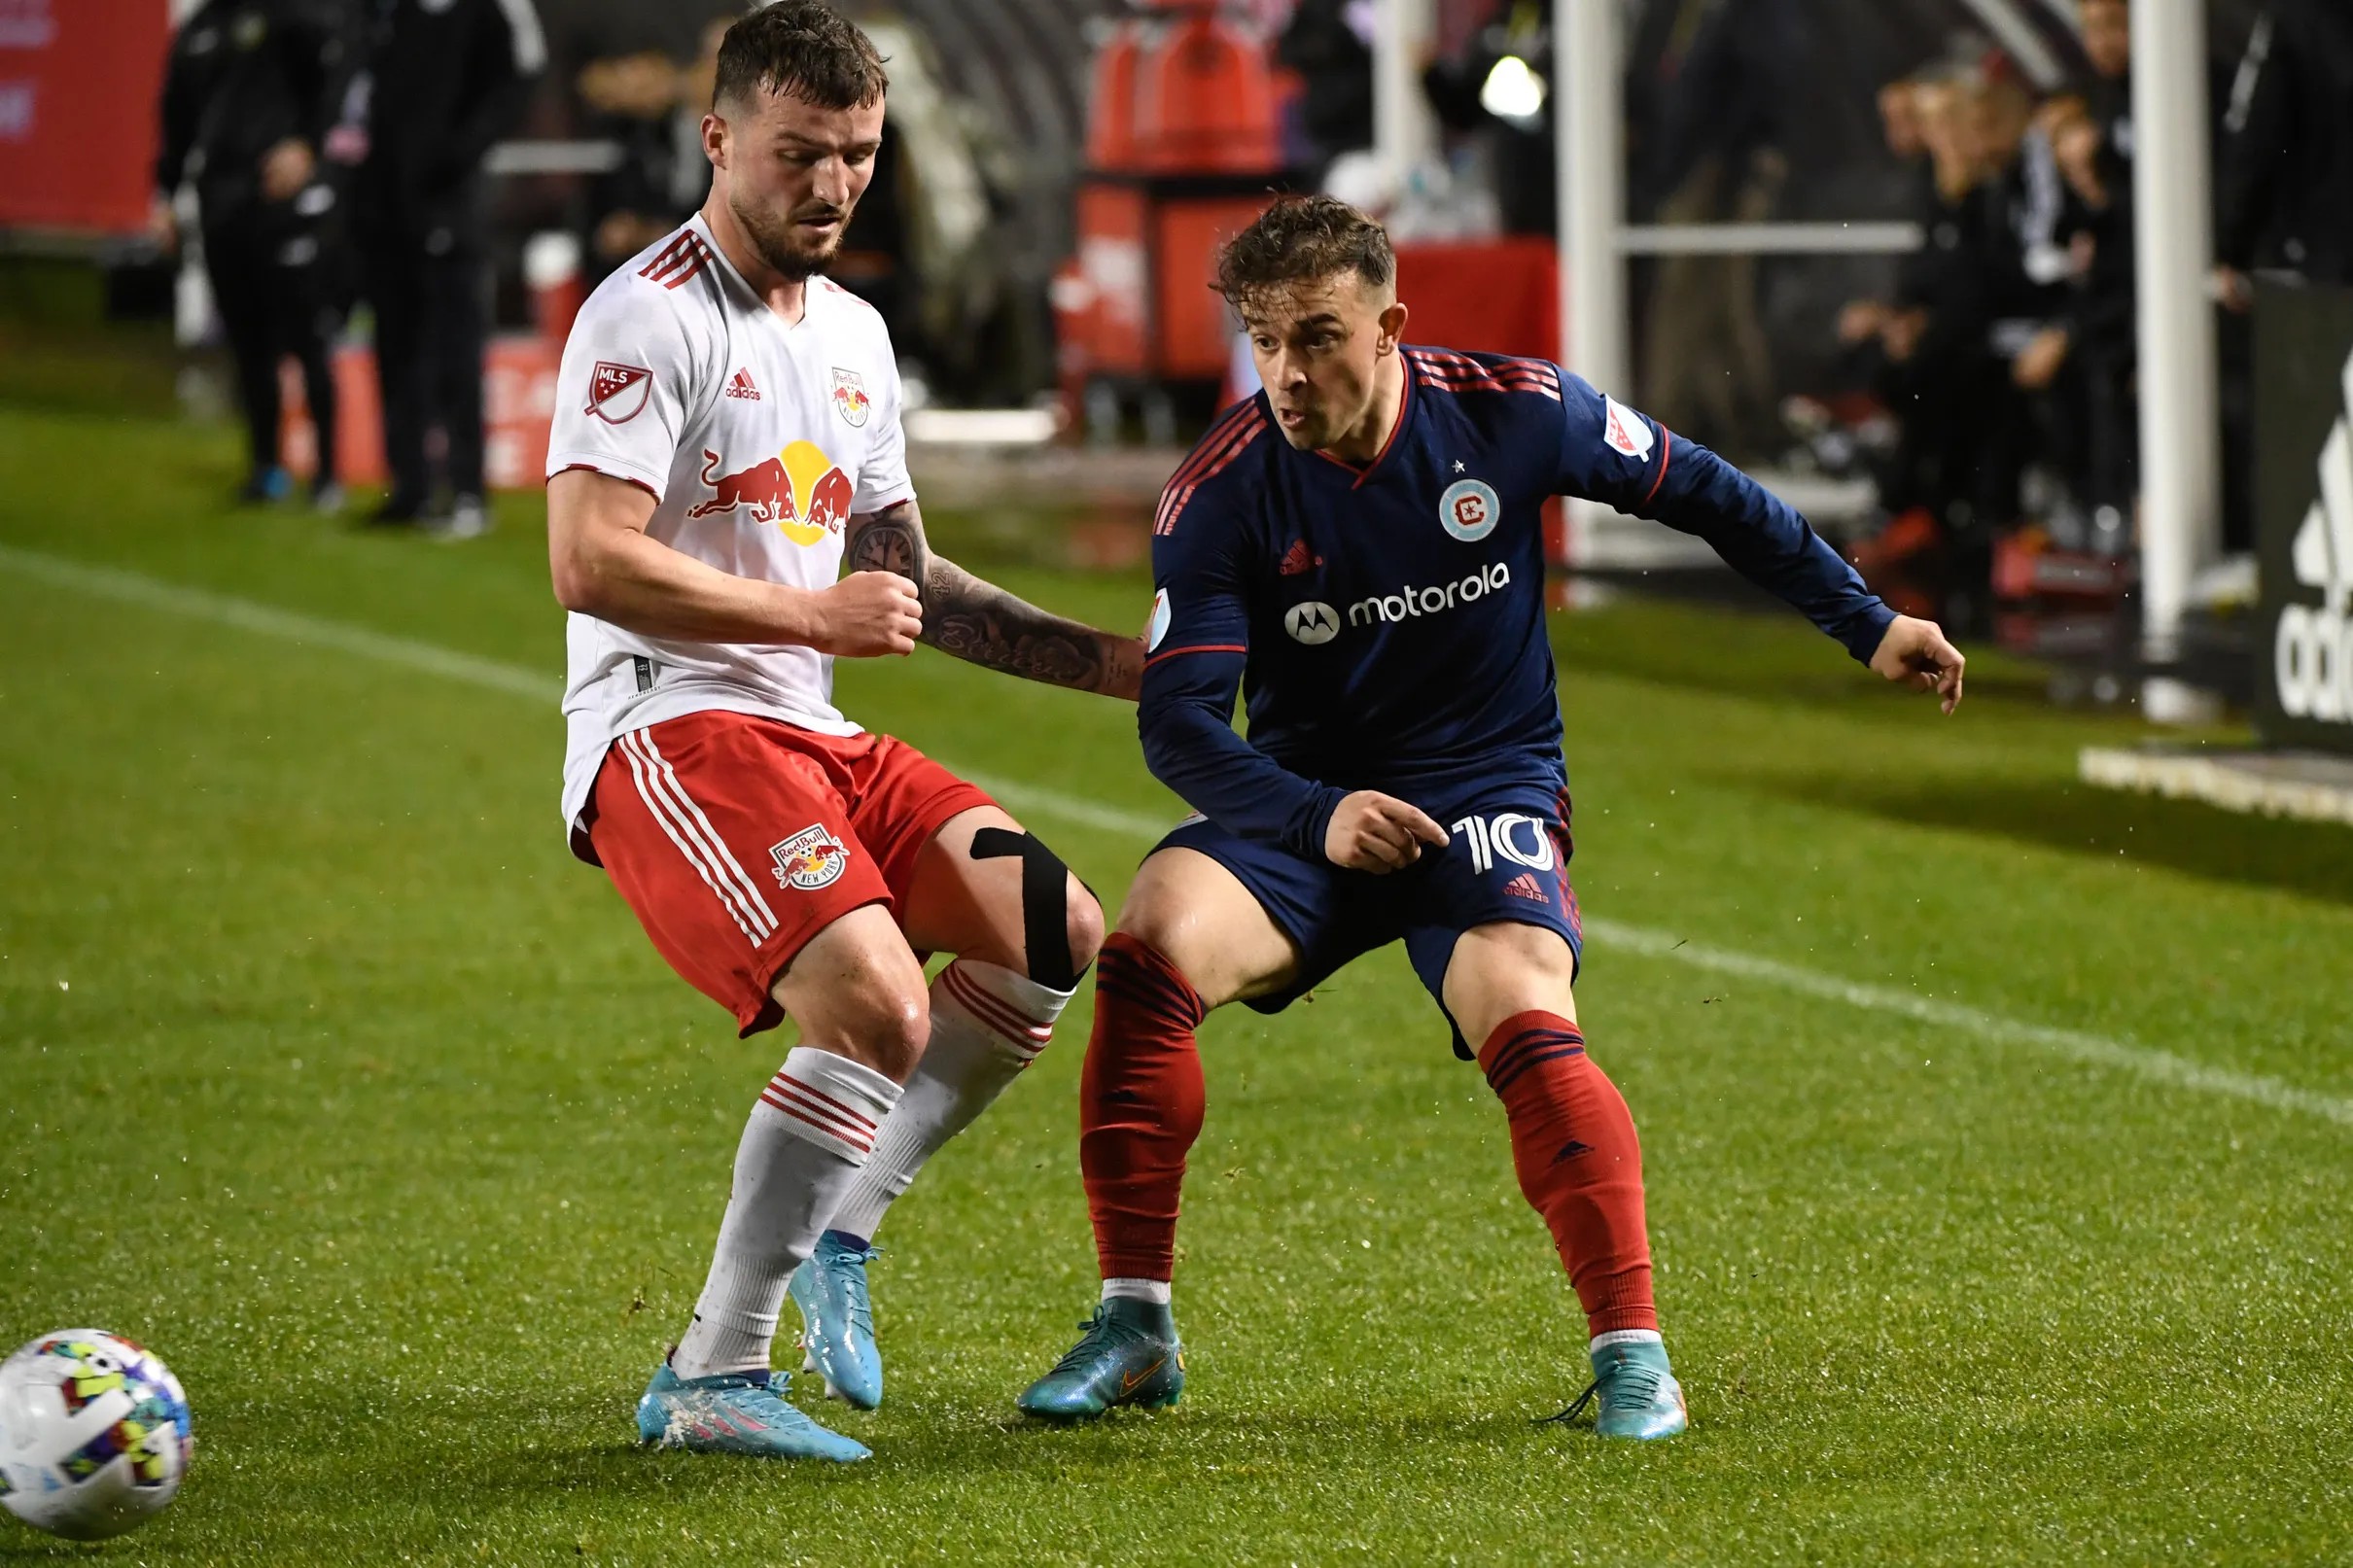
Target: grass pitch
327, 1074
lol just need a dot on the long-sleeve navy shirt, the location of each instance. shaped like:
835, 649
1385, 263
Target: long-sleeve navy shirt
1386, 624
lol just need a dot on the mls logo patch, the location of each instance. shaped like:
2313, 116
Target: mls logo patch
850, 397
1158, 627
1469, 510
617, 392
1625, 430
810, 859
1311, 623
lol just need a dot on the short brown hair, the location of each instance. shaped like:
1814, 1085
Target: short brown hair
1299, 238
801, 48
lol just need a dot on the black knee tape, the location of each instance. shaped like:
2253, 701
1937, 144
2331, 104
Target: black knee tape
1045, 908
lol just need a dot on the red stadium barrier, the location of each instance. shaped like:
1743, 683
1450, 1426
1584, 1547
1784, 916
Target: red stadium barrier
79, 83
1483, 297
518, 404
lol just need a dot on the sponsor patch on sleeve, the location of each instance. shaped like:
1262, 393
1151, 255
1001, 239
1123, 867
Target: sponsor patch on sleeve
1625, 429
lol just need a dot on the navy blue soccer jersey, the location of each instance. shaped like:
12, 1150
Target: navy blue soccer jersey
1386, 624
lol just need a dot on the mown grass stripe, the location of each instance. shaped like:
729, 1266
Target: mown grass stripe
2074, 1045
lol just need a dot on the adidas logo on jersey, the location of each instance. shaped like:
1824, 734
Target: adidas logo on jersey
741, 386
1298, 560
1524, 885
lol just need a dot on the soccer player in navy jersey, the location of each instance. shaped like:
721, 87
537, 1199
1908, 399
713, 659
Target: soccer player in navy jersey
1358, 549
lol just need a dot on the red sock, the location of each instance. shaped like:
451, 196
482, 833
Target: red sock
1139, 1107
1580, 1165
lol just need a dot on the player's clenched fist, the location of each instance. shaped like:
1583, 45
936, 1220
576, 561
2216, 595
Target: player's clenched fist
867, 615
1379, 833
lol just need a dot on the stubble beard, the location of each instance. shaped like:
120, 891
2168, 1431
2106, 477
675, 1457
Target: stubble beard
781, 246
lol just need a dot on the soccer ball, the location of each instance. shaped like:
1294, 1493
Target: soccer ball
95, 1435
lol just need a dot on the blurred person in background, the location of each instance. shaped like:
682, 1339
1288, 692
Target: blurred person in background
1501, 87
631, 101
653, 108
1329, 43
2095, 338
251, 94
2025, 271
1926, 351
1719, 157
2284, 202
446, 79
2285, 178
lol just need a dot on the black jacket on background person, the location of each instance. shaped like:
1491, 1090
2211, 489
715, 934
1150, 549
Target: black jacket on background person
2285, 181
244, 75
447, 77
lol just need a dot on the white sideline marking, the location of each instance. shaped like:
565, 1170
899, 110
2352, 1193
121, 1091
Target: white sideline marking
2074, 1045
129, 588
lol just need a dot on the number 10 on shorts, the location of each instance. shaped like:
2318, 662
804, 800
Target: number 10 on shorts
1513, 836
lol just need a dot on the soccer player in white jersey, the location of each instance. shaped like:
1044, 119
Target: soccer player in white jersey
727, 431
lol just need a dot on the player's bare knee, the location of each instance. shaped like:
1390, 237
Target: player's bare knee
1152, 918
885, 1023
1082, 920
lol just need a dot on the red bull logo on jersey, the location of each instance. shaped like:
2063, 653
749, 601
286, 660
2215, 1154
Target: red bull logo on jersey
800, 490
810, 859
850, 398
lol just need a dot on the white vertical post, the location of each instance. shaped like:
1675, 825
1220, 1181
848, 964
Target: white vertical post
1405, 130
2173, 246
1588, 130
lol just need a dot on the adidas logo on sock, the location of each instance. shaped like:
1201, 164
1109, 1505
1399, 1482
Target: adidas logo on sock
1299, 560
1526, 885
741, 386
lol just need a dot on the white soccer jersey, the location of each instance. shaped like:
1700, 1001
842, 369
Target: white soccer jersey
758, 439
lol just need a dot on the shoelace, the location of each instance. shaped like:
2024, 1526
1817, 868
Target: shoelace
787, 1416
1564, 1417
1101, 1332
1626, 1377
861, 1305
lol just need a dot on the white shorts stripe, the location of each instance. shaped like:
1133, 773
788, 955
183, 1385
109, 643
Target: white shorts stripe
639, 772
722, 857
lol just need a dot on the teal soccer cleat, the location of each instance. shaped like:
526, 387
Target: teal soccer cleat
1130, 1355
735, 1413
1637, 1394
837, 1318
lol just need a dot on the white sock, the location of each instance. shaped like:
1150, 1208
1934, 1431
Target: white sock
1137, 1290
814, 1127
986, 1024
1603, 1341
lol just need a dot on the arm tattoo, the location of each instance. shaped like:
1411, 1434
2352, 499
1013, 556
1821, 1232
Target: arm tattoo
891, 541
981, 623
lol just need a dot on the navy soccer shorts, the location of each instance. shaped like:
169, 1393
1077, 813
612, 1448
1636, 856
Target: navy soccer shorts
1507, 860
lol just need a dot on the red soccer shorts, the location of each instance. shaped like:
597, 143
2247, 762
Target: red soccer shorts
737, 839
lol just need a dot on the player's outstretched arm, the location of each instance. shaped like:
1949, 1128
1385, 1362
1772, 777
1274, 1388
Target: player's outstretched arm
1916, 654
606, 566
982, 624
